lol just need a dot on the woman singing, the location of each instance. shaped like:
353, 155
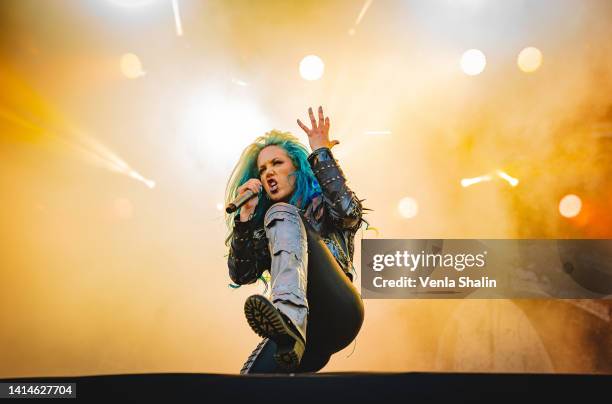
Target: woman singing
301, 227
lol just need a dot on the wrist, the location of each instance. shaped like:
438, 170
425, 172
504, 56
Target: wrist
315, 147
246, 216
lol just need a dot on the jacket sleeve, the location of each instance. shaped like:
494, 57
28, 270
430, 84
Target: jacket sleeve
242, 261
343, 206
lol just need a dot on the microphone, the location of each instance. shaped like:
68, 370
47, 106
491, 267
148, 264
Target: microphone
239, 201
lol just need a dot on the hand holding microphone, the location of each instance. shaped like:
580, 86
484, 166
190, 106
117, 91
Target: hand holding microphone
247, 199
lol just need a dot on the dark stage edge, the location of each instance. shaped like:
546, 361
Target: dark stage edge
353, 387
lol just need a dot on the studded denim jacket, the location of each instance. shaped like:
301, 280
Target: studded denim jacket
335, 215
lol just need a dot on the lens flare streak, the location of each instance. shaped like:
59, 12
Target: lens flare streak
177, 18
511, 180
466, 182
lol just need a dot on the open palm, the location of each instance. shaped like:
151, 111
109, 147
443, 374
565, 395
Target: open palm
318, 135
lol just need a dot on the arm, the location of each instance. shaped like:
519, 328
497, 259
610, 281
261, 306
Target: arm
343, 206
242, 262
246, 262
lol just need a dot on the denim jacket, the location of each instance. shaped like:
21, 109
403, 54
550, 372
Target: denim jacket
335, 215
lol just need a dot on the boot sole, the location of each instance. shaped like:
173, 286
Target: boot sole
246, 368
267, 322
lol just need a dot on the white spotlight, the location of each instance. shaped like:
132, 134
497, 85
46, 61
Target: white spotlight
311, 68
473, 62
529, 60
570, 206
218, 125
131, 66
408, 207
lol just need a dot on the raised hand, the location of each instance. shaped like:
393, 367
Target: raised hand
318, 135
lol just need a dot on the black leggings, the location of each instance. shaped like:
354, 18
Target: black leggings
335, 312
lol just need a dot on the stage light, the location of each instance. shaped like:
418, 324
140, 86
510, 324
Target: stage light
366, 5
408, 207
219, 123
363, 11
473, 62
466, 182
131, 67
177, 18
311, 68
137, 176
570, 206
529, 60
219, 206
511, 180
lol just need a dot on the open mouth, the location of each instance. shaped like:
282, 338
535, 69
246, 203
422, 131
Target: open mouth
272, 186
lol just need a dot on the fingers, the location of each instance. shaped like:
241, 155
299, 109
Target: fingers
312, 118
326, 125
321, 118
304, 127
333, 143
322, 124
253, 184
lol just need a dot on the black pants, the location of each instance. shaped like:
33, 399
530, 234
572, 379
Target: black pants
335, 312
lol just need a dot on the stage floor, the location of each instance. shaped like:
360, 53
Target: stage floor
321, 387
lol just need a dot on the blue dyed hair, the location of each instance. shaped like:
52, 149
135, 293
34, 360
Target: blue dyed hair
306, 184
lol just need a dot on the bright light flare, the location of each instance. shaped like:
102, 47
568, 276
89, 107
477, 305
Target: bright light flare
137, 176
219, 124
511, 180
177, 18
312, 68
570, 206
473, 62
408, 207
131, 66
466, 182
50, 125
240, 82
529, 60
363, 11
94, 152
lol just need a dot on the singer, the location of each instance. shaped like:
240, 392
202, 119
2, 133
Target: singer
300, 226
